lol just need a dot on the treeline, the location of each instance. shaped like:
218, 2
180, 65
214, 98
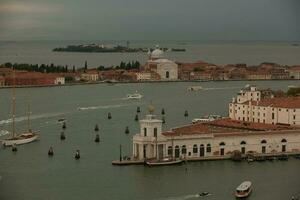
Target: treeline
40, 68
123, 65
65, 69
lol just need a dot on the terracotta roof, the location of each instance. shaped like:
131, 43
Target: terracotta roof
226, 127
280, 102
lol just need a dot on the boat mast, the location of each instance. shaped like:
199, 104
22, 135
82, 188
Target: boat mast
14, 105
28, 117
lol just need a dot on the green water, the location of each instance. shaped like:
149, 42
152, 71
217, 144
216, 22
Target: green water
30, 175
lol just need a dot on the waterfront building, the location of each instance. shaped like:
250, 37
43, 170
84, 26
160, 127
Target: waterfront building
143, 76
221, 138
90, 76
166, 69
59, 80
2, 81
253, 105
294, 72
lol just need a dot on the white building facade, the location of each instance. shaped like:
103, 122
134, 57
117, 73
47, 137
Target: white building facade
59, 81
251, 107
166, 69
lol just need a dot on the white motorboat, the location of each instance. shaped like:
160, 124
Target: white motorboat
135, 95
165, 161
244, 189
208, 118
195, 88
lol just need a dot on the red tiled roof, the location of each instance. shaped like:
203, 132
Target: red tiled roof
226, 126
280, 102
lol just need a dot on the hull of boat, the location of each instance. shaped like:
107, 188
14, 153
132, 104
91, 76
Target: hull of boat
174, 162
243, 195
19, 141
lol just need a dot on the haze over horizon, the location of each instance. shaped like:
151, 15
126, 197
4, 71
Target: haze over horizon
206, 20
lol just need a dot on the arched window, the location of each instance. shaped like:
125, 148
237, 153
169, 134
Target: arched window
283, 141
167, 74
243, 143
222, 144
177, 151
183, 149
263, 142
155, 132
202, 150
208, 148
195, 149
145, 132
170, 150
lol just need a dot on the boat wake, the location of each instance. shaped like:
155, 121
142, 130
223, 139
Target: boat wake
222, 88
33, 117
190, 196
102, 107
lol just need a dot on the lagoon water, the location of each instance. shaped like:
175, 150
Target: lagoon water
251, 53
30, 174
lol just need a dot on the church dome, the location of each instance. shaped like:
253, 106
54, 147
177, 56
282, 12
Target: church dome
157, 54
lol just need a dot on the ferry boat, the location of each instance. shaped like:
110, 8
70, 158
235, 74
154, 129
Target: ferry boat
164, 161
195, 88
244, 189
208, 118
135, 95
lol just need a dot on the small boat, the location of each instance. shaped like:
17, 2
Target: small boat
203, 194
165, 161
61, 120
244, 189
135, 95
208, 118
195, 88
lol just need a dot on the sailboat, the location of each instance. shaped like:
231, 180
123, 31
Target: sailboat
24, 138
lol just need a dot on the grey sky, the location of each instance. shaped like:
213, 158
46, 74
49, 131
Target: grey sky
273, 20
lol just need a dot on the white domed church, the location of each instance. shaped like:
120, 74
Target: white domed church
166, 69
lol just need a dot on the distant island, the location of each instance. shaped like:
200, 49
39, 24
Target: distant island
100, 48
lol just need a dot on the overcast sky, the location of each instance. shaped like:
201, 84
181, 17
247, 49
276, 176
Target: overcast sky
262, 20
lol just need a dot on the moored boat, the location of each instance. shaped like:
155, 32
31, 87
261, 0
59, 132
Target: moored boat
208, 118
164, 161
244, 189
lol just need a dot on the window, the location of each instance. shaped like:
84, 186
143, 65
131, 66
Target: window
145, 132
283, 140
208, 148
167, 74
177, 151
222, 144
195, 149
155, 132
279, 109
183, 149
294, 117
273, 115
170, 150
263, 142
243, 142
